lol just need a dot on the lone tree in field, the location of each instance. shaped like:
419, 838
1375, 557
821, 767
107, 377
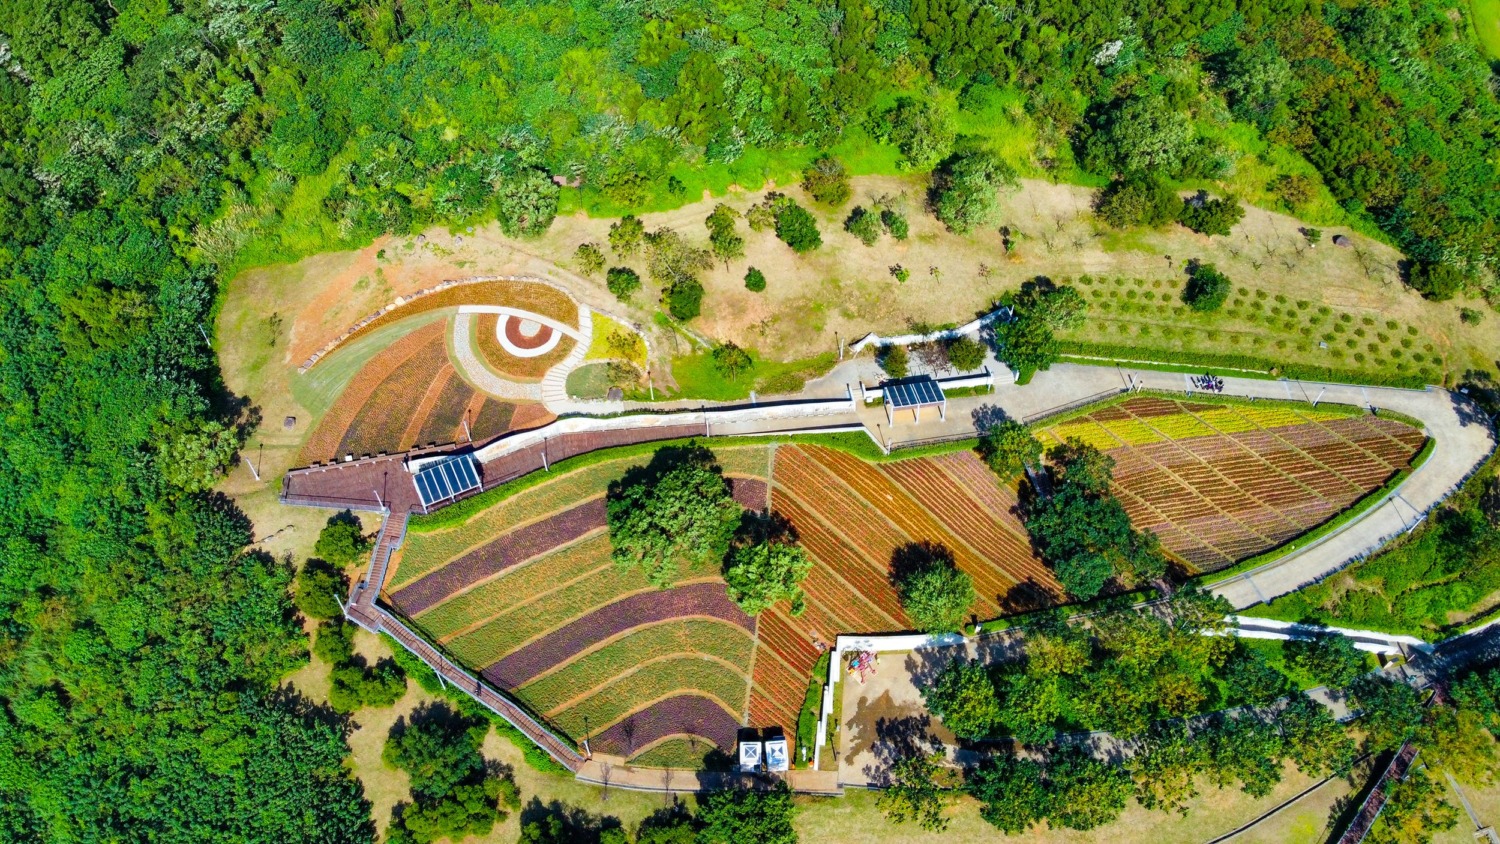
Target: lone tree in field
794, 224
932, 590
676, 510
1008, 448
1207, 288
965, 192
767, 566
622, 281
625, 236
731, 361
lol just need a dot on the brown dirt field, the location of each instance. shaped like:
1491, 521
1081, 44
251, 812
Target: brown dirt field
504, 363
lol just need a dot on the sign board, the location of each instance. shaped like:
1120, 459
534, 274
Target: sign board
776, 756
750, 755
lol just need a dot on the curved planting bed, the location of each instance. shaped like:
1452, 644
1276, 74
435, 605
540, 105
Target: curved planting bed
690, 714
487, 342
699, 599
508, 550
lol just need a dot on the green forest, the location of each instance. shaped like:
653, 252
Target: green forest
151, 148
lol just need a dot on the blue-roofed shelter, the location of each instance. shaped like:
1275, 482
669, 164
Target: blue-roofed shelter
914, 394
444, 480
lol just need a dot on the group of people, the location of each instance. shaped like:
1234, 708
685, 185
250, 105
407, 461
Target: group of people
1209, 383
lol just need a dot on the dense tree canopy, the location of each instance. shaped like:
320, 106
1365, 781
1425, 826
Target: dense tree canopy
1083, 531
148, 148
676, 509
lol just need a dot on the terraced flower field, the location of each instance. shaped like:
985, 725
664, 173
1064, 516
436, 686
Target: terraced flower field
1220, 483
525, 591
409, 395
853, 516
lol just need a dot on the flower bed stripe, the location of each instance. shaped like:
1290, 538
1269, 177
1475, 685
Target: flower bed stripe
679, 714
680, 636
505, 551
518, 586
699, 599
323, 443
614, 701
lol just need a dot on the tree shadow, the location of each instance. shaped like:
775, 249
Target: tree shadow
915, 557
897, 738
663, 461
987, 416
435, 713
765, 526
562, 822
1027, 596
1477, 398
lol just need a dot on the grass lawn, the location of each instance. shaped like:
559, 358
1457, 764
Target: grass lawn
1487, 26
697, 378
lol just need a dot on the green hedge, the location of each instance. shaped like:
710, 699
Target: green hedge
1239, 365
812, 702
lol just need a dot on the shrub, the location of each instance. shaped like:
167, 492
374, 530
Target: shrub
920, 128
966, 354
1470, 316
827, 181
1438, 282
684, 299
1207, 288
893, 359
342, 540
894, 223
334, 642
795, 226
622, 281
965, 192
320, 590
755, 280
864, 225
1138, 200
1211, 216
